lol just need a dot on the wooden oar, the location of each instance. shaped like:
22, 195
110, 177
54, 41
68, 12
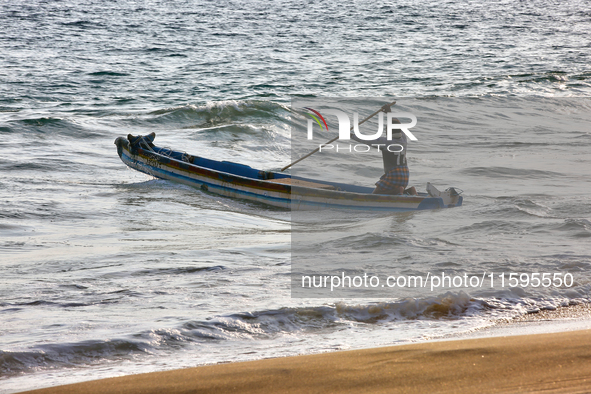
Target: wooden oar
384, 108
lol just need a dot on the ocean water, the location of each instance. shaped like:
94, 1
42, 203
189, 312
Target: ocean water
107, 271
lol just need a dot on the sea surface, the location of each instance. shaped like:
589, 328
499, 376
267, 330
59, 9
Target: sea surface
106, 271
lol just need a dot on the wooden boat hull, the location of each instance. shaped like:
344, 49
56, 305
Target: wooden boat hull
276, 189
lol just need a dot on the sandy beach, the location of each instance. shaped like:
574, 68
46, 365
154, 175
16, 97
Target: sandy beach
554, 362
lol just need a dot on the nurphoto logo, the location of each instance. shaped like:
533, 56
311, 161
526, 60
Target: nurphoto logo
394, 130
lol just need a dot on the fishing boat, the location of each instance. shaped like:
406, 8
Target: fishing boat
273, 188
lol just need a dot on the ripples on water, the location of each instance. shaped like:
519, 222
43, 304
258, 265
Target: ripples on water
107, 271
141, 56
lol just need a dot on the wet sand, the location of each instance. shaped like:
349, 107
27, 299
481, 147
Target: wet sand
556, 363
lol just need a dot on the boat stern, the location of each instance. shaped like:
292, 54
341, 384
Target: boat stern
450, 197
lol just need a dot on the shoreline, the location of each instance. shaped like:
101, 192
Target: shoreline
511, 356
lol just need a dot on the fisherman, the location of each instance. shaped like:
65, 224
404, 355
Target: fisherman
395, 178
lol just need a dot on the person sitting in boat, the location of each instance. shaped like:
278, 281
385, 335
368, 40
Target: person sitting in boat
396, 174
